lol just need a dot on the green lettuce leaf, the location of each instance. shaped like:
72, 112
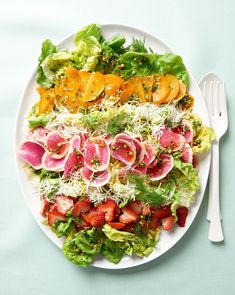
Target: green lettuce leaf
54, 65
47, 49
87, 48
144, 244
116, 235
92, 30
64, 228
135, 63
80, 248
169, 63
112, 251
116, 42
148, 193
186, 184
202, 142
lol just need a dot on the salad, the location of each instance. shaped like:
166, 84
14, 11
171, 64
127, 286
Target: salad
113, 144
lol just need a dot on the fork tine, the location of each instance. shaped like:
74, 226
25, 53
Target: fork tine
206, 94
217, 109
224, 111
210, 95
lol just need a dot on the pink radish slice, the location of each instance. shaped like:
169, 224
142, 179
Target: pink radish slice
163, 167
86, 173
96, 179
75, 144
97, 154
186, 130
100, 178
139, 146
56, 145
74, 161
83, 138
39, 135
32, 152
148, 158
187, 154
108, 138
52, 164
123, 151
153, 163
127, 170
171, 140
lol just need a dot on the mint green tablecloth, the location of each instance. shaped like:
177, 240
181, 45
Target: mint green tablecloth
203, 33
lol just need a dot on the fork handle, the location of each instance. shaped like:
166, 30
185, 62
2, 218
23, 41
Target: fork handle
215, 231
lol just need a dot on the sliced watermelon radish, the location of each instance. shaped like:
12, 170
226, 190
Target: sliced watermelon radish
148, 159
123, 151
97, 154
162, 168
139, 146
39, 135
32, 152
74, 161
186, 130
153, 163
95, 179
52, 164
83, 137
56, 145
171, 140
127, 170
187, 154
75, 144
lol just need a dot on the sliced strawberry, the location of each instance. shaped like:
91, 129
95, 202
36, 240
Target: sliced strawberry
87, 200
63, 204
117, 212
109, 207
45, 205
168, 222
97, 218
116, 225
181, 213
79, 207
128, 227
86, 217
53, 207
81, 224
146, 210
155, 221
136, 206
162, 211
128, 215
54, 216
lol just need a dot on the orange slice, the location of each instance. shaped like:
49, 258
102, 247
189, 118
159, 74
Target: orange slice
113, 84
148, 85
46, 103
174, 87
138, 89
182, 91
162, 92
94, 87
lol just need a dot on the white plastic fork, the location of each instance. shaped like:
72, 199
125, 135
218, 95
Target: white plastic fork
213, 90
